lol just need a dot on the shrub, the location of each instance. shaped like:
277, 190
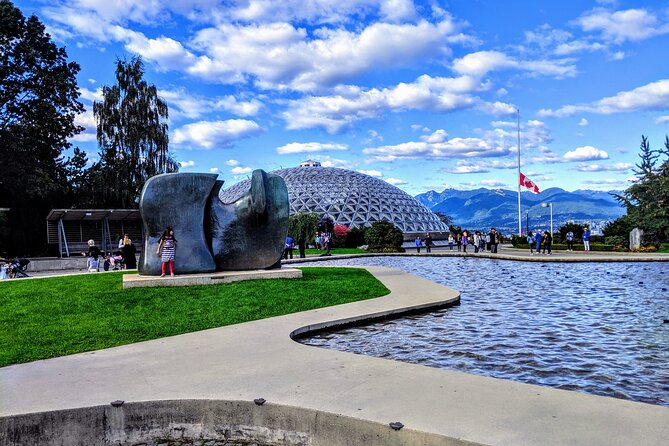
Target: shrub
355, 238
340, 233
383, 236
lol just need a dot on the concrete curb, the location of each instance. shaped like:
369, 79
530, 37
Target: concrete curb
136, 280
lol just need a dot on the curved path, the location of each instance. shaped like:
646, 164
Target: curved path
259, 359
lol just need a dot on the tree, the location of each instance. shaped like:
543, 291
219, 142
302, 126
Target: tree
647, 200
383, 236
132, 134
576, 228
38, 104
302, 226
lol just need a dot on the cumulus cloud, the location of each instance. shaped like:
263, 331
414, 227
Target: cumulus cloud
652, 96
467, 166
232, 163
309, 147
583, 122
395, 181
586, 153
620, 26
214, 170
87, 121
186, 164
662, 120
185, 105
212, 134
615, 167
351, 104
481, 63
372, 173
239, 170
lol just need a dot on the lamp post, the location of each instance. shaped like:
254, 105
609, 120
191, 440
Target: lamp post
549, 205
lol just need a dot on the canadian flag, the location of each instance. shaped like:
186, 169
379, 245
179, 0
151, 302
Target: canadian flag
524, 181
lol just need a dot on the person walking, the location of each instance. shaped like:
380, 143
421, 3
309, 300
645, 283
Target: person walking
538, 239
167, 246
548, 241
530, 241
428, 243
451, 241
476, 241
570, 240
586, 239
418, 242
288, 248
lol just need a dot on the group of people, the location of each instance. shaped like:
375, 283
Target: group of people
479, 241
124, 258
545, 239
127, 254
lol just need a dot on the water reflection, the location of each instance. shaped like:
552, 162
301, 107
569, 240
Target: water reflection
592, 327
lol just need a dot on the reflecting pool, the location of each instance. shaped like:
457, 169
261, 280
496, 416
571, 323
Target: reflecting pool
596, 328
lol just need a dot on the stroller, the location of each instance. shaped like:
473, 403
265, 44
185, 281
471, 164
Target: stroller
17, 268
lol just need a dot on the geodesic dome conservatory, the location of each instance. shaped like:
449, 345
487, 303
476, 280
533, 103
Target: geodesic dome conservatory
350, 198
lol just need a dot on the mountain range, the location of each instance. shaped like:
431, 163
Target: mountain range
485, 208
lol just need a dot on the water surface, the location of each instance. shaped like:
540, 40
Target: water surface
591, 327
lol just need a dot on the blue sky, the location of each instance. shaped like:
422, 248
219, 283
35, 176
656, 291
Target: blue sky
420, 94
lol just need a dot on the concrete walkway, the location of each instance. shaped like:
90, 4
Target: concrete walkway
259, 359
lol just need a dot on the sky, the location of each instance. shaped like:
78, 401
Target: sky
425, 95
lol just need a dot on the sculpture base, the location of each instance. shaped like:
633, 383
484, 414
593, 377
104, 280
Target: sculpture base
136, 280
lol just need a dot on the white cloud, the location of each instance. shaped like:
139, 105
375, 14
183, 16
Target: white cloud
352, 104
467, 166
493, 183
395, 181
309, 147
88, 122
90, 95
616, 167
372, 173
241, 170
607, 182
467, 169
662, 120
586, 153
278, 55
232, 163
481, 63
583, 122
620, 26
186, 164
578, 46
328, 161
214, 170
185, 105
92, 81
213, 134
653, 96
438, 136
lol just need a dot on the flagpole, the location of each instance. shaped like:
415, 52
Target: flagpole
520, 224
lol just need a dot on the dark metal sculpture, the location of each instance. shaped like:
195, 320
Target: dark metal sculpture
248, 233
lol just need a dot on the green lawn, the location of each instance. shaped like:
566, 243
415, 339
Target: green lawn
58, 316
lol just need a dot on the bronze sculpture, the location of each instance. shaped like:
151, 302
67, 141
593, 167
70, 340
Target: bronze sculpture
248, 233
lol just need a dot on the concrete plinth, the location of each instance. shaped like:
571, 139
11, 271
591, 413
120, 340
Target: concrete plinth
136, 280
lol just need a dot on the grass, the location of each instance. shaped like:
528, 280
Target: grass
664, 247
332, 251
58, 316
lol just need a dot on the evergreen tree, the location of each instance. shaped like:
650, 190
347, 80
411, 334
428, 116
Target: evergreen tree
132, 134
38, 104
647, 200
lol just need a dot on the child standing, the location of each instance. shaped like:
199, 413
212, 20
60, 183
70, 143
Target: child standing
167, 246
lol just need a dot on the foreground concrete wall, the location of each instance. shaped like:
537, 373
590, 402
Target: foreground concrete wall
191, 422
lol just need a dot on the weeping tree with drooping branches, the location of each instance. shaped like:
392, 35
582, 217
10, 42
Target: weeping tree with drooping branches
132, 133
